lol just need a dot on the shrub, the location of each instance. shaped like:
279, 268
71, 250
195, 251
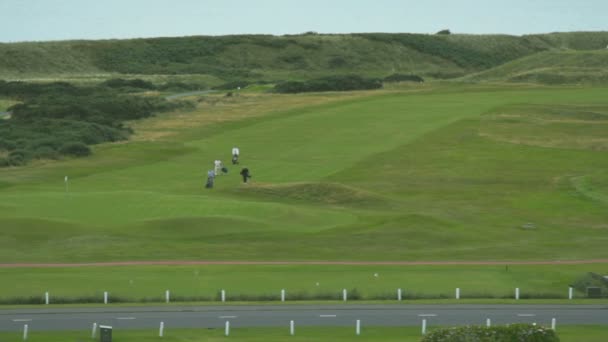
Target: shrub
7, 145
446, 31
515, 332
76, 149
403, 78
122, 83
331, 83
45, 152
337, 62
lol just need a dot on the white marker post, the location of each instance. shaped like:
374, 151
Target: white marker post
227, 329
399, 294
358, 328
344, 295
458, 293
488, 322
105, 297
517, 293
161, 329
25, 332
570, 293
424, 326
553, 323
292, 328
223, 295
65, 180
94, 330
46, 298
282, 295
167, 296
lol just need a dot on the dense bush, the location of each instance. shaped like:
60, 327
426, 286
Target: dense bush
330, 83
61, 119
403, 78
76, 149
122, 83
512, 333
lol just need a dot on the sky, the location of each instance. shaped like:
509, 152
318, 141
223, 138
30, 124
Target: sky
41, 20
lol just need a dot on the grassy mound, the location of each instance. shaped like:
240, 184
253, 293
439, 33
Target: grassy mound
320, 193
552, 67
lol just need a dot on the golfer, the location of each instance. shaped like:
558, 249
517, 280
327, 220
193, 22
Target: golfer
217, 167
246, 175
210, 179
235, 155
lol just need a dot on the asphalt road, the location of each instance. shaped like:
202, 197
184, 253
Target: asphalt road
303, 315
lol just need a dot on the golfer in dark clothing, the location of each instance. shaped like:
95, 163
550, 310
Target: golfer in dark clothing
245, 174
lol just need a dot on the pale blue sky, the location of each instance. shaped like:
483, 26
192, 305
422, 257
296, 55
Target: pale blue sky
27, 20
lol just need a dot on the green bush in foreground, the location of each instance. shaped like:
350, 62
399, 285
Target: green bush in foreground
511, 333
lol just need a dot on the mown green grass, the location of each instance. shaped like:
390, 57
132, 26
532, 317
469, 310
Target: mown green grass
428, 173
566, 334
137, 283
429, 186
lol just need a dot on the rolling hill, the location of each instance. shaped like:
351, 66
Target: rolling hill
273, 58
552, 67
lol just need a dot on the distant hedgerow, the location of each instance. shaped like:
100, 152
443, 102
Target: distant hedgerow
330, 83
403, 78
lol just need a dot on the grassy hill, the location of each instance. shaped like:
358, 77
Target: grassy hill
272, 58
434, 179
552, 67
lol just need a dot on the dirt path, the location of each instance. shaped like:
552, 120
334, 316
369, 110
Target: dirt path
329, 263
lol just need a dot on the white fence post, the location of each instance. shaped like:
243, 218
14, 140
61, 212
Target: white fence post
161, 329
553, 323
94, 330
105, 297
282, 295
358, 328
46, 298
227, 330
167, 296
458, 293
344, 295
517, 293
292, 328
570, 293
223, 296
424, 326
25, 332
488, 322
399, 294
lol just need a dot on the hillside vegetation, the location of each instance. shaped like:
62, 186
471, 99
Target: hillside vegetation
282, 58
552, 67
